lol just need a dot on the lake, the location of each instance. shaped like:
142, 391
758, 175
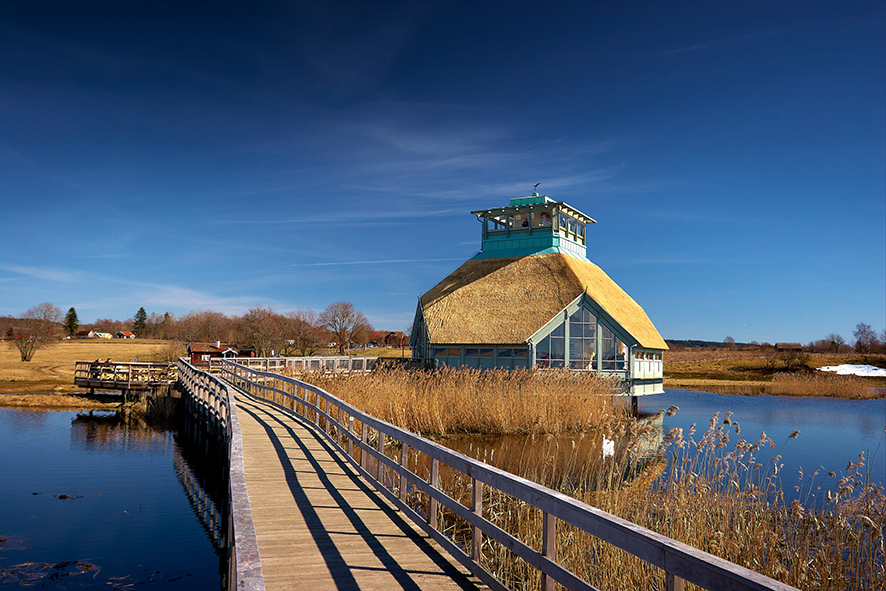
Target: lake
833, 431
95, 502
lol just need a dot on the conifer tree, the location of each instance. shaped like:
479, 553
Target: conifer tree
140, 322
72, 323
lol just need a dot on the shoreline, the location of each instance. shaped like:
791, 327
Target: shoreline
60, 401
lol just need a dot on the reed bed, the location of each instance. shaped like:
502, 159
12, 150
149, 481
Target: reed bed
453, 401
724, 498
715, 490
824, 384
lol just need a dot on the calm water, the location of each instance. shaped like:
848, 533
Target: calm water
92, 503
832, 431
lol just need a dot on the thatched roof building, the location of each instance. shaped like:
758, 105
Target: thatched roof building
531, 298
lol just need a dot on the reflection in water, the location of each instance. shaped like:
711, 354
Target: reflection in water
116, 432
205, 488
97, 503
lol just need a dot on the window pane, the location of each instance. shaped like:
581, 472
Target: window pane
560, 331
521, 352
558, 348
543, 352
487, 353
505, 352
472, 352
541, 218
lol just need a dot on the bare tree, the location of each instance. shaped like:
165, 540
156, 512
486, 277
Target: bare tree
203, 325
346, 324
729, 342
835, 341
305, 330
264, 330
38, 326
865, 338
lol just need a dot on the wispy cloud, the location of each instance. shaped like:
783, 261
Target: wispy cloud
384, 262
725, 41
46, 273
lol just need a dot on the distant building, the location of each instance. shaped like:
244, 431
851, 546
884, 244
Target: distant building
203, 352
124, 334
388, 338
531, 298
788, 347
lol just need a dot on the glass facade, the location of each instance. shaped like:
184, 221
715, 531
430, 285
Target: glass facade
592, 346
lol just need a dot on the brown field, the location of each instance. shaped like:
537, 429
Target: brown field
759, 373
52, 368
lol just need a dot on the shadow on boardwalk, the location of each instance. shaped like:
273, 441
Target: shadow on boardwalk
319, 525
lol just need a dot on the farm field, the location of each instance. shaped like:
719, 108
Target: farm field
52, 368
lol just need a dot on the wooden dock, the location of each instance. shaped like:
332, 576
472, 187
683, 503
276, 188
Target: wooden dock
319, 525
126, 377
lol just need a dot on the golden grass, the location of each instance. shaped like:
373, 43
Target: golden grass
823, 384
470, 401
723, 498
756, 373
60, 401
717, 492
52, 368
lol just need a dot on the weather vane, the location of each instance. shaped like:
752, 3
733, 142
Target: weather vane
535, 187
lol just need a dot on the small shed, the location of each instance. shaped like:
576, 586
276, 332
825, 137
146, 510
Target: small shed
203, 352
124, 334
532, 299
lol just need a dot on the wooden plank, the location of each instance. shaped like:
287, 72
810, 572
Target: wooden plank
679, 560
318, 525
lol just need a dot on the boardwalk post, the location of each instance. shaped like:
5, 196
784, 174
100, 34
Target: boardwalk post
673, 582
404, 462
351, 436
477, 508
327, 419
364, 437
548, 547
435, 482
379, 466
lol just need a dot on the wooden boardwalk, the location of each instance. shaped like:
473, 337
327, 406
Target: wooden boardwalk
318, 525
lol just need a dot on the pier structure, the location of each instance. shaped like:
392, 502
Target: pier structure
324, 496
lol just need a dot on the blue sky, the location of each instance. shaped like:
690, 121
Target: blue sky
217, 156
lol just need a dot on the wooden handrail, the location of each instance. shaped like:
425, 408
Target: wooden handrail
680, 561
215, 403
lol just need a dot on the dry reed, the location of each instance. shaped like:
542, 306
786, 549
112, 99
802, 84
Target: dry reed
821, 384
472, 401
726, 499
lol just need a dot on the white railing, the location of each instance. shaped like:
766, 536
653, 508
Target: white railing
337, 421
112, 374
212, 400
302, 364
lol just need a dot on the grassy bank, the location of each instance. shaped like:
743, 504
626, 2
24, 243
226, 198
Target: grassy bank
52, 368
758, 373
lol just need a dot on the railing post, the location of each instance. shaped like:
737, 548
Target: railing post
404, 463
673, 582
351, 436
364, 457
435, 482
477, 508
548, 547
378, 462
328, 419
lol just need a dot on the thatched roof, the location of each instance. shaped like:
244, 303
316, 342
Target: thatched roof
505, 300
